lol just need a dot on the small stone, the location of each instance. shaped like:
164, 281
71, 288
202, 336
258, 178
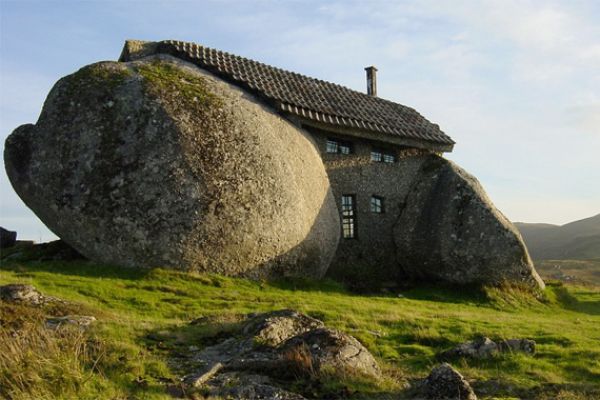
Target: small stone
82, 321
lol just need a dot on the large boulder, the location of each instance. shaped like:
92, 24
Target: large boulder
450, 231
159, 163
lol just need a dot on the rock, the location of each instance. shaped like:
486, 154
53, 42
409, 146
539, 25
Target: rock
485, 348
82, 321
203, 376
21, 293
7, 238
334, 349
273, 328
444, 382
480, 348
238, 386
284, 344
517, 345
159, 163
450, 231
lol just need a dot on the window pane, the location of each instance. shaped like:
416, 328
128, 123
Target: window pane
389, 158
332, 146
376, 204
376, 156
348, 216
344, 149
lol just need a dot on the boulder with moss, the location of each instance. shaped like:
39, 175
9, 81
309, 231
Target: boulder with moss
159, 163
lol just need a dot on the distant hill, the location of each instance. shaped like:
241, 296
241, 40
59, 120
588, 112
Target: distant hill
575, 241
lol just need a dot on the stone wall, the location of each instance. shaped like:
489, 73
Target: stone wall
370, 258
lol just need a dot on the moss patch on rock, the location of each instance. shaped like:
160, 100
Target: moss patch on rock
166, 79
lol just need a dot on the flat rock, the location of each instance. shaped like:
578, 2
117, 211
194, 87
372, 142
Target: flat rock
21, 293
158, 163
450, 231
444, 382
238, 386
485, 348
273, 328
82, 321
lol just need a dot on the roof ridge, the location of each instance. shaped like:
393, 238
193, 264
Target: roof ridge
314, 99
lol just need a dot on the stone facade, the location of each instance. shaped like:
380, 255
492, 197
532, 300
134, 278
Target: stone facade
370, 257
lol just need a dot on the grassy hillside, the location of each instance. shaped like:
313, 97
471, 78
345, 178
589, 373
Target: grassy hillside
144, 321
575, 240
573, 271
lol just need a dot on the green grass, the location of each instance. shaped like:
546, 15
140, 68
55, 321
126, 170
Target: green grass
144, 318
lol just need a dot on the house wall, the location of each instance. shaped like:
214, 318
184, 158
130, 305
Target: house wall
370, 258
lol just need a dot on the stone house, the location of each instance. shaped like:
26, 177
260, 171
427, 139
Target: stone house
372, 148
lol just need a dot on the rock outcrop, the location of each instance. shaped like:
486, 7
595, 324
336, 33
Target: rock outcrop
159, 163
275, 340
450, 231
278, 345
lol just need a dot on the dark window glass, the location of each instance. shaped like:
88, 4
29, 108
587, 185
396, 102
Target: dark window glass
338, 147
332, 146
378, 155
389, 158
348, 217
377, 204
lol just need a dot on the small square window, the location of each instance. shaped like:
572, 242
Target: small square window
378, 155
377, 205
389, 158
332, 146
335, 146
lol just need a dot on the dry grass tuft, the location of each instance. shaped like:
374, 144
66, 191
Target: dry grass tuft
300, 361
39, 363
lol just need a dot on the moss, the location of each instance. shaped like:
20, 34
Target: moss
168, 79
100, 76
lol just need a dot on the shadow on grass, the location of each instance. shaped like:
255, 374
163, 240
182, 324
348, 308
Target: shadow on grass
570, 302
81, 268
465, 294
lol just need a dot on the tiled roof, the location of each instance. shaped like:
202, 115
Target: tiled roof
313, 99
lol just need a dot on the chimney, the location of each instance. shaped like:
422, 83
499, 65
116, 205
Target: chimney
371, 81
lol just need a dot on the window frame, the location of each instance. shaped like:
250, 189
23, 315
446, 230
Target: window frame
377, 208
349, 225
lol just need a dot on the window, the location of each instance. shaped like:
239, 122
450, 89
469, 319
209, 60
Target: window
377, 205
378, 155
338, 147
348, 216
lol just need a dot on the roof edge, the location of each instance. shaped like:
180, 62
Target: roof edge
366, 134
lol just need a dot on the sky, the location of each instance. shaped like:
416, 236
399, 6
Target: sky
515, 83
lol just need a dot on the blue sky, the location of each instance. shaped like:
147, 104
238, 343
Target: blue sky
515, 83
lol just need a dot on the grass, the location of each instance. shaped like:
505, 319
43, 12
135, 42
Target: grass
576, 271
144, 321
